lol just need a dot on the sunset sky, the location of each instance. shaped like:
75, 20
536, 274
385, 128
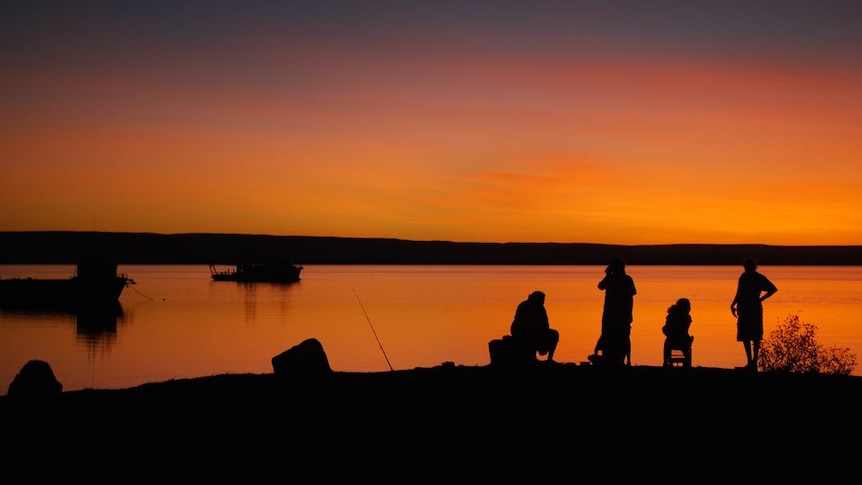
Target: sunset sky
621, 122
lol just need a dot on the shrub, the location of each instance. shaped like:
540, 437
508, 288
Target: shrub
792, 347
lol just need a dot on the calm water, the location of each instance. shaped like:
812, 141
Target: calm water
176, 323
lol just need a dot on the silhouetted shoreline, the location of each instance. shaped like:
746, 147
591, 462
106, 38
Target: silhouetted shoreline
65, 247
452, 424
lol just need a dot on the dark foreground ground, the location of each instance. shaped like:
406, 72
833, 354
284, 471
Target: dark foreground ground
449, 424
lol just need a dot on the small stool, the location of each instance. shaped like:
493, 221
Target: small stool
677, 358
680, 355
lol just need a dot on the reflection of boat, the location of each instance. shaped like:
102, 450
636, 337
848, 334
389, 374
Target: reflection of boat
259, 273
94, 285
95, 325
98, 322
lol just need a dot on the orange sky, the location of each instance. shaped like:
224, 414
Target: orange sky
609, 122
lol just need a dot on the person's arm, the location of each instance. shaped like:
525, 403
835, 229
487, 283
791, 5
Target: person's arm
604, 282
733, 305
769, 289
768, 293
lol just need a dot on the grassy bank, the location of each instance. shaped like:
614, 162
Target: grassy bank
450, 424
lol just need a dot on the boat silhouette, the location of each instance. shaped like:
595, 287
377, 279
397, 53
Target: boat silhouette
93, 286
259, 273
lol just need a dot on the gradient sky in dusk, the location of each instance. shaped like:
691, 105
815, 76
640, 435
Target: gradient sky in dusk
627, 122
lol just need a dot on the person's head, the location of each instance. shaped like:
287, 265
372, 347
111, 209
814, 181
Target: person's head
617, 265
750, 265
537, 297
684, 304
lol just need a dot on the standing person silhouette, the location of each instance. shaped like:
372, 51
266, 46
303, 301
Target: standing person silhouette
747, 306
531, 326
617, 313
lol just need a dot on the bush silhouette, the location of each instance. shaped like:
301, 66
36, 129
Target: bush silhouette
792, 347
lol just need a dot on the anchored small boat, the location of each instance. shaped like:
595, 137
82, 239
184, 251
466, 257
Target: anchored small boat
92, 285
259, 273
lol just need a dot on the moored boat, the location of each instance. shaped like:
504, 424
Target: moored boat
92, 285
259, 273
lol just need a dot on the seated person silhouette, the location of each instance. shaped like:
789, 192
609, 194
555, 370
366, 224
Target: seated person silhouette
676, 326
531, 328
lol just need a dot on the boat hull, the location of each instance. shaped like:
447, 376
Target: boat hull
260, 273
94, 285
61, 293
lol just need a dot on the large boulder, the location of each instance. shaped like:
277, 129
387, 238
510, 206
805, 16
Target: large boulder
306, 359
35, 380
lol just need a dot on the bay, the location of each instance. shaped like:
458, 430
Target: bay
176, 323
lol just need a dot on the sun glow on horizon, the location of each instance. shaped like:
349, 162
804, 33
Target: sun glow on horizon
576, 124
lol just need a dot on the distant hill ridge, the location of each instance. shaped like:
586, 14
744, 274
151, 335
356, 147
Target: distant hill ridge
69, 247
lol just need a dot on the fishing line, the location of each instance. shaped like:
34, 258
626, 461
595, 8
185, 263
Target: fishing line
372, 328
139, 292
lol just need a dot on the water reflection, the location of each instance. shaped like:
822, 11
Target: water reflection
95, 325
251, 293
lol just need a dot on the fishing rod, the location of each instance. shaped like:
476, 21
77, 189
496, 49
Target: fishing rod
372, 328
